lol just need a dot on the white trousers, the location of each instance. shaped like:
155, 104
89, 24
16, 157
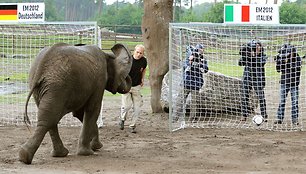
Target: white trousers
131, 99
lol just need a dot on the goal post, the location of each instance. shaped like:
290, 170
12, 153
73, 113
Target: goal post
240, 83
19, 45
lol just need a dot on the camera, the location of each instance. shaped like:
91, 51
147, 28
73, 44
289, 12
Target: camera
285, 52
194, 50
246, 50
249, 49
197, 57
196, 53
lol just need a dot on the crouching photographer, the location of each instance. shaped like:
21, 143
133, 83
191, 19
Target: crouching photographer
194, 67
195, 63
288, 63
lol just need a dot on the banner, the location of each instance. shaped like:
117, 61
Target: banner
251, 13
22, 12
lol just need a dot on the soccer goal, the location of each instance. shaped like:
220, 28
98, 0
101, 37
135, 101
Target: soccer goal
19, 45
242, 82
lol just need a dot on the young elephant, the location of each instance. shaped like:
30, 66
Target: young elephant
66, 78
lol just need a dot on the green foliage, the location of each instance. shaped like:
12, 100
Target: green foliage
292, 13
189, 16
51, 11
126, 15
300, 2
215, 14
122, 12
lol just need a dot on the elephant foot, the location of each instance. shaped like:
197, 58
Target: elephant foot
85, 152
95, 145
60, 153
25, 156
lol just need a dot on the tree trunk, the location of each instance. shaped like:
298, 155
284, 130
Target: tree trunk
174, 10
155, 30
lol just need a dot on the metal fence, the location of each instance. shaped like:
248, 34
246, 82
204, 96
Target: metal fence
19, 44
220, 101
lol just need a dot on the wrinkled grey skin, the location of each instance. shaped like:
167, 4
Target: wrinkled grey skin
66, 78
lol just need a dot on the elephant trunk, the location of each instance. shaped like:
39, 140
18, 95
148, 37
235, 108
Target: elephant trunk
125, 86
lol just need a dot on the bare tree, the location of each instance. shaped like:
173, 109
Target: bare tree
155, 31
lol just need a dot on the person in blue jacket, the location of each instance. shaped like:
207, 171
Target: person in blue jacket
288, 63
253, 59
194, 66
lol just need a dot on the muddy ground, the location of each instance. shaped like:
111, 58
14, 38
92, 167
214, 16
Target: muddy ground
156, 150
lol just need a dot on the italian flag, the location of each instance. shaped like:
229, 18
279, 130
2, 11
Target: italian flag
8, 12
236, 13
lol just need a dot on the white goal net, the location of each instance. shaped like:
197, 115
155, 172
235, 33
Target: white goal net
248, 76
19, 45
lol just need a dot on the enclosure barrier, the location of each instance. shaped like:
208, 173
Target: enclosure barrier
220, 101
19, 45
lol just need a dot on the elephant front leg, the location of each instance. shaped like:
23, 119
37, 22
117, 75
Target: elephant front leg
58, 148
27, 151
84, 145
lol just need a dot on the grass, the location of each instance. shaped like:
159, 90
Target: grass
13, 98
16, 70
226, 69
23, 77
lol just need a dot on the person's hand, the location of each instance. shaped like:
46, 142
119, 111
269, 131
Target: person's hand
142, 82
190, 59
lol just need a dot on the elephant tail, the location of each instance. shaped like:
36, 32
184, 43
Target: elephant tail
26, 119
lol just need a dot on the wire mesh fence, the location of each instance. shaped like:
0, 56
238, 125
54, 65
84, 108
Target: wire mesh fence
19, 45
242, 82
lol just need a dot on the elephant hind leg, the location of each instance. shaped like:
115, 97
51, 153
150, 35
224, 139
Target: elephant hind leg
48, 118
27, 151
89, 137
95, 143
79, 114
58, 148
88, 132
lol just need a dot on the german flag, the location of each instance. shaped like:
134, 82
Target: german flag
8, 12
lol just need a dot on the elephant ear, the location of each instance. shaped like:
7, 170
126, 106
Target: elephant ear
118, 69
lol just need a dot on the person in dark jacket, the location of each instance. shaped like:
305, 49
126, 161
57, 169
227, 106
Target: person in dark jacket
194, 67
253, 59
288, 63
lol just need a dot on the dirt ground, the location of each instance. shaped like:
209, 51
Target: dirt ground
156, 150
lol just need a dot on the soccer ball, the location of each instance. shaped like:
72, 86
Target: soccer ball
257, 119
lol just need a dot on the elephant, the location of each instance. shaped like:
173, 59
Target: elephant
71, 79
